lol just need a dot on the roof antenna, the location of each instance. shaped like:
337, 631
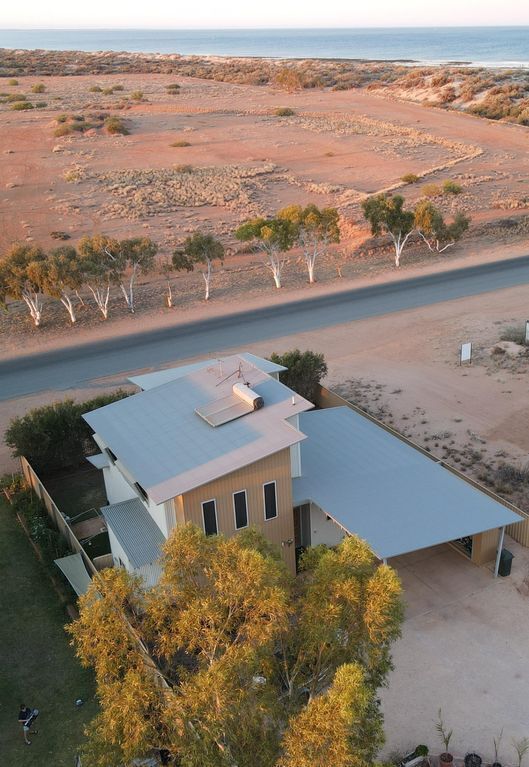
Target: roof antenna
220, 368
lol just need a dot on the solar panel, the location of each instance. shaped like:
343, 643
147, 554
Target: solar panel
224, 410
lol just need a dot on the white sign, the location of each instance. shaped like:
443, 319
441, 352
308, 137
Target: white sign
465, 353
527, 332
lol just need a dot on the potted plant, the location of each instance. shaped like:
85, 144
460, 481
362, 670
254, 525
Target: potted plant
497, 741
446, 759
473, 760
521, 747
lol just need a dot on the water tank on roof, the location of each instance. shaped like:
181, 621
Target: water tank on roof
243, 392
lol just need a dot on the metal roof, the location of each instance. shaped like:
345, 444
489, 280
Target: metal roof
136, 531
159, 377
100, 460
168, 449
378, 487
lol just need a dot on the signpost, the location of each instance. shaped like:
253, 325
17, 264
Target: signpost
527, 332
465, 353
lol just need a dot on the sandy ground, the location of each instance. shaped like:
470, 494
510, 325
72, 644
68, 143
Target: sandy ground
244, 160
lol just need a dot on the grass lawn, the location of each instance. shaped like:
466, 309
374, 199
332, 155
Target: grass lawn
39, 667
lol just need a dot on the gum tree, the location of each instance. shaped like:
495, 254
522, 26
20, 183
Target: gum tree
100, 267
136, 256
386, 215
199, 249
21, 278
61, 275
316, 229
250, 668
273, 236
436, 233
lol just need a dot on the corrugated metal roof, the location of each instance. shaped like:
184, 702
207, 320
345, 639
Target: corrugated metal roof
382, 489
169, 449
137, 532
160, 377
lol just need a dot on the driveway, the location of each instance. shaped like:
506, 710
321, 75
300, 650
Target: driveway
464, 649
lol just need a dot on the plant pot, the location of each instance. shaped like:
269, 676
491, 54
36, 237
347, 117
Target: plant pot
446, 759
473, 760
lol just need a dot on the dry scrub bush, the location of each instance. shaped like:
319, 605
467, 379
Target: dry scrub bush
450, 187
410, 178
38, 88
180, 143
284, 112
20, 105
115, 126
431, 190
95, 89
137, 95
12, 82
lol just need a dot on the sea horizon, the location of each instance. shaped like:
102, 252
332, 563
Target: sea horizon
492, 46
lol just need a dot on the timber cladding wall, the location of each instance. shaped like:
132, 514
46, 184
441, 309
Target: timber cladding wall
250, 478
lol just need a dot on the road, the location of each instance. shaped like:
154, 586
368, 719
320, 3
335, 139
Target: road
74, 366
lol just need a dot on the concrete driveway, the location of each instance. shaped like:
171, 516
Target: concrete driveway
464, 649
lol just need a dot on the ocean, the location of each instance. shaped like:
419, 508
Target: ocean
490, 46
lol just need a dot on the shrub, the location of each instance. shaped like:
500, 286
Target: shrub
410, 178
115, 126
515, 334
305, 371
39, 525
431, 190
60, 235
180, 143
16, 97
62, 130
118, 88
183, 168
12, 81
284, 112
450, 187
41, 104
108, 91
62, 118
173, 88
21, 105
137, 95
95, 89
38, 88
55, 437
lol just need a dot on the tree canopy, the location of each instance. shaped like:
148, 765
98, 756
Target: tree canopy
305, 371
436, 233
252, 669
199, 248
315, 229
387, 215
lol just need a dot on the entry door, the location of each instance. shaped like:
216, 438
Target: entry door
302, 525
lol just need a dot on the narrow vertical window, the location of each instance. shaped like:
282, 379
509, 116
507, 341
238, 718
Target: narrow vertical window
240, 509
209, 516
270, 501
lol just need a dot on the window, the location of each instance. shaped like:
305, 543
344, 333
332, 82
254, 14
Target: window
111, 455
141, 491
270, 502
240, 509
209, 516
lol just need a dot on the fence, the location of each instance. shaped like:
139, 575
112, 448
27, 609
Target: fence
519, 531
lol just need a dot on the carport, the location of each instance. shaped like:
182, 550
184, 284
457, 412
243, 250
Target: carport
369, 482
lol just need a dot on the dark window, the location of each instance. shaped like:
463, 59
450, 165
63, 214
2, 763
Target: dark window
270, 502
241, 509
141, 491
111, 455
209, 513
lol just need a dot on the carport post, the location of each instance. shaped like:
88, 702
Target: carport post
501, 535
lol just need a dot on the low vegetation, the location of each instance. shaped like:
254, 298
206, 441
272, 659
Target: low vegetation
180, 143
68, 124
55, 437
284, 112
38, 88
115, 126
410, 178
305, 371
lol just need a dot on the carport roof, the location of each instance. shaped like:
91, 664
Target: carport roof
381, 488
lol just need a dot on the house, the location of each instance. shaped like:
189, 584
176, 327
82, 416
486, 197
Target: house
225, 445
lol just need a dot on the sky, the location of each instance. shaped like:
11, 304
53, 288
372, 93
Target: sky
162, 14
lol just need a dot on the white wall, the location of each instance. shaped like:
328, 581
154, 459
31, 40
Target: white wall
117, 551
116, 486
323, 530
295, 450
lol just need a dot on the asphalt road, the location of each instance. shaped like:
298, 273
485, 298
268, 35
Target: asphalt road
75, 366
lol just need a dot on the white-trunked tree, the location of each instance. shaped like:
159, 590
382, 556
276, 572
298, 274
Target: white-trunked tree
273, 236
316, 229
198, 249
387, 215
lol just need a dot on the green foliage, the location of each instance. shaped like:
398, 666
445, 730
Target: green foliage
13, 97
38, 88
305, 371
55, 437
284, 112
262, 671
116, 126
274, 234
198, 248
450, 187
410, 178
21, 105
431, 225
39, 525
386, 214
173, 89
62, 130
444, 733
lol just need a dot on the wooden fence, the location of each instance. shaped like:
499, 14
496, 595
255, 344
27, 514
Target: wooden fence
54, 512
519, 531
